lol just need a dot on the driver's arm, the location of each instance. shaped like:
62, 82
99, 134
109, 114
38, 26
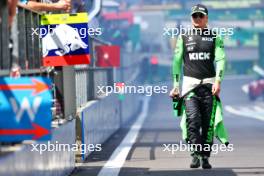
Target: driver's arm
177, 62
220, 58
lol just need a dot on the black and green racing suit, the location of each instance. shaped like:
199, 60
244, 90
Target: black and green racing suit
199, 53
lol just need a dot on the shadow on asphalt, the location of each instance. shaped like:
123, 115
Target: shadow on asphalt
93, 171
194, 172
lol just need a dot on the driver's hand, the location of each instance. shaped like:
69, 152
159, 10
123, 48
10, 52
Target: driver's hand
216, 88
175, 92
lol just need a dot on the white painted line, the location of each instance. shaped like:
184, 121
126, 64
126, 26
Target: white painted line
259, 109
245, 88
118, 158
258, 70
244, 113
246, 110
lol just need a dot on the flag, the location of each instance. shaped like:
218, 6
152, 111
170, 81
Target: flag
108, 56
64, 39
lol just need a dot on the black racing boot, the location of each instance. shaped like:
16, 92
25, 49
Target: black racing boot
195, 161
205, 163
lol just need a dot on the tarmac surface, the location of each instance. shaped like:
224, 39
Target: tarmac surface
147, 156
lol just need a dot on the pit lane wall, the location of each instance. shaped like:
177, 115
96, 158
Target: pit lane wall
25, 162
99, 120
102, 118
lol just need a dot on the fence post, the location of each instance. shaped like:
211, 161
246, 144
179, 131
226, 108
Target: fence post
29, 43
110, 76
69, 91
5, 52
90, 84
22, 52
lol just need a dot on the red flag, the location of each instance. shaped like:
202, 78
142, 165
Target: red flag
108, 56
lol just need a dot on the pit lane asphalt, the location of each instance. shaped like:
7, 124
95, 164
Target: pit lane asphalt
148, 158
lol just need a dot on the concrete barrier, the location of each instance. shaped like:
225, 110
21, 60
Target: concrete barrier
101, 118
130, 106
26, 162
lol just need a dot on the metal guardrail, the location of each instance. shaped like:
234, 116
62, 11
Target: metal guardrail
89, 77
4, 39
75, 86
28, 46
87, 80
19, 46
30, 52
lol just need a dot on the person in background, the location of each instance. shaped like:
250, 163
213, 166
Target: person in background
78, 6
11, 11
48, 5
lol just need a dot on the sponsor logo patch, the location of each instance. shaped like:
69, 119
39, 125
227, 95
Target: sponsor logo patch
199, 56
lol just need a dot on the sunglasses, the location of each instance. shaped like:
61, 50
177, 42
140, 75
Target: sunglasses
196, 15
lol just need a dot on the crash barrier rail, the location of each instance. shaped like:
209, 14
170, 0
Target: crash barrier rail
54, 158
21, 48
87, 80
73, 91
89, 77
29, 51
72, 86
100, 119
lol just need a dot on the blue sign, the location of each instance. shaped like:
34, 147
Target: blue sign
25, 109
